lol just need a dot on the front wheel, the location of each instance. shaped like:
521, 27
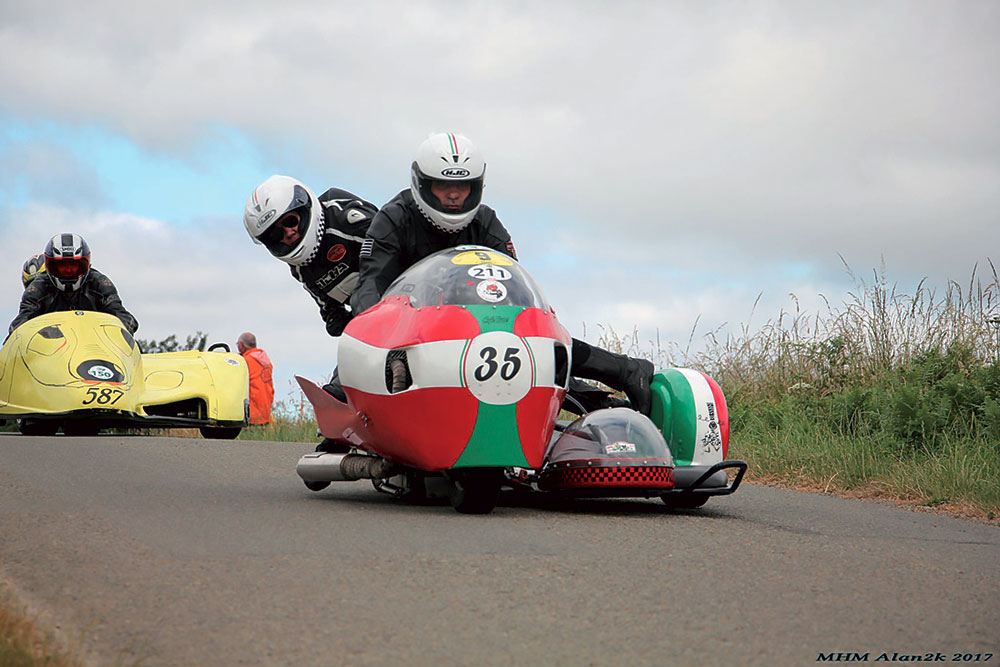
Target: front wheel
220, 432
37, 426
475, 491
316, 486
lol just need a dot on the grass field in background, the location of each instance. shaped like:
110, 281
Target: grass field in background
888, 394
292, 420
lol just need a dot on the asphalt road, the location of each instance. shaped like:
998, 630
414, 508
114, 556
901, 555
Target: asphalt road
166, 551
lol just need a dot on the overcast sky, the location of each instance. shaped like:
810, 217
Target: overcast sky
655, 162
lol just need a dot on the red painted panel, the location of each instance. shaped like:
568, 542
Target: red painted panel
425, 428
538, 322
394, 323
536, 417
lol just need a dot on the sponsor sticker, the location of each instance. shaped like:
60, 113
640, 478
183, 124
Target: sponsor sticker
336, 253
620, 447
100, 372
232, 362
491, 291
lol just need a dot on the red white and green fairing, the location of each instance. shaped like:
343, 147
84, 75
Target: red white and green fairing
456, 414
485, 378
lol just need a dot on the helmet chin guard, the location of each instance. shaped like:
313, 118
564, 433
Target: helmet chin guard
447, 158
263, 217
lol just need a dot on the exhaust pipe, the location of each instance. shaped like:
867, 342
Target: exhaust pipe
327, 467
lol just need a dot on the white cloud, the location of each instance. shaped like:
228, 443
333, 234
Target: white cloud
655, 162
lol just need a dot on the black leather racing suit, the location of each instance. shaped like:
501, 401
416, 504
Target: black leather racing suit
97, 293
400, 236
331, 276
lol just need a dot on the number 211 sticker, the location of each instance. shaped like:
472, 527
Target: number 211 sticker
489, 272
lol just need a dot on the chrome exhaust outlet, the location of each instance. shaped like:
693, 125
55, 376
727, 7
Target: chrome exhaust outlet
327, 467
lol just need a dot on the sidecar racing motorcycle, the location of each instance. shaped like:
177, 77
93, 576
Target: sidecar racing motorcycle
455, 381
82, 371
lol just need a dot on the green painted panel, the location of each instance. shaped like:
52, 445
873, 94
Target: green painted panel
495, 441
683, 427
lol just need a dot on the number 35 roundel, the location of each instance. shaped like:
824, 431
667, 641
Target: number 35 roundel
497, 368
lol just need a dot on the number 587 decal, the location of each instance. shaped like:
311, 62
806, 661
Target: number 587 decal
497, 368
102, 396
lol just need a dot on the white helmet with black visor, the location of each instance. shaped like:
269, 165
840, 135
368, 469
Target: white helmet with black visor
285, 217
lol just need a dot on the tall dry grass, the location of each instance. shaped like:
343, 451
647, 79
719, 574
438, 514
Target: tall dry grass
893, 390
878, 328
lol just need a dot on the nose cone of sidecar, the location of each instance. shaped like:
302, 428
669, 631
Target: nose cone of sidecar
616, 451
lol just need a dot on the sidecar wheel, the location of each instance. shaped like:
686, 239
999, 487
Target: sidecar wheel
475, 491
683, 501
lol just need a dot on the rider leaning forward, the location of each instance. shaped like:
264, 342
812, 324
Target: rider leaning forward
441, 209
66, 281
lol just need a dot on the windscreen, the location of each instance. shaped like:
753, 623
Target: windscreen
468, 275
613, 433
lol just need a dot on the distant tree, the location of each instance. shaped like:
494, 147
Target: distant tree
196, 341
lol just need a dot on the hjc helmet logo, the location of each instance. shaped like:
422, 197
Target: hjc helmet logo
266, 218
455, 173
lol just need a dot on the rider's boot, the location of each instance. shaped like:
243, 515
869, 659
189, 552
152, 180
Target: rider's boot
615, 370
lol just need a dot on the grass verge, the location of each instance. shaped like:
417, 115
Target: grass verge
890, 394
959, 477
23, 643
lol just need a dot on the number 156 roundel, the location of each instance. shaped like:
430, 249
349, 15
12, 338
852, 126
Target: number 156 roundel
462, 364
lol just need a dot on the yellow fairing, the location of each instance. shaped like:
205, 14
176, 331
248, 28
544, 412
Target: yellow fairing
81, 364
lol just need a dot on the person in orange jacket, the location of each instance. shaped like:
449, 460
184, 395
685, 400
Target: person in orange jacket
261, 384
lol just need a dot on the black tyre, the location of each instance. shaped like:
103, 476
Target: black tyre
220, 432
81, 429
316, 486
416, 490
683, 501
475, 491
37, 427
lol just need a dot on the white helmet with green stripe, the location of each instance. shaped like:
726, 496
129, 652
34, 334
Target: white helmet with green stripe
447, 158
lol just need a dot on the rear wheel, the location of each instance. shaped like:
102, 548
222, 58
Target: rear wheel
220, 432
37, 426
475, 491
